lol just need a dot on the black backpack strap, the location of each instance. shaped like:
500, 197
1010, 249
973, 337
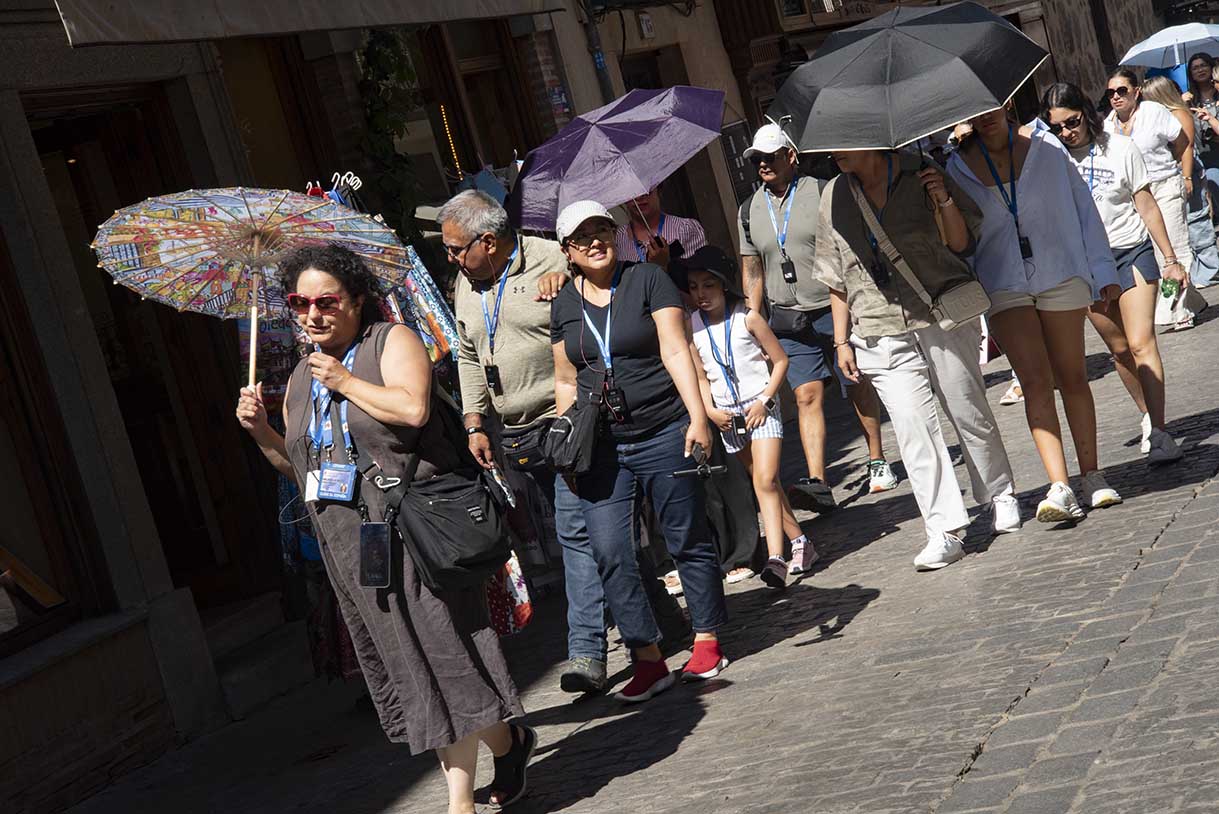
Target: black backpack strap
743, 214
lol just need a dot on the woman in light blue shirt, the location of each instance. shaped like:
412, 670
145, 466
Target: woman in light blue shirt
1044, 258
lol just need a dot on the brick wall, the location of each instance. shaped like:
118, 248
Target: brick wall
547, 92
69, 730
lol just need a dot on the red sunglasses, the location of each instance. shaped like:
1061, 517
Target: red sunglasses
326, 303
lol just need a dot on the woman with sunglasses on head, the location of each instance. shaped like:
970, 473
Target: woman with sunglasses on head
1044, 259
1175, 311
432, 662
1167, 153
619, 336
884, 329
1113, 168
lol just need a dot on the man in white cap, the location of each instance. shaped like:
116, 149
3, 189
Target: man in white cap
778, 231
506, 369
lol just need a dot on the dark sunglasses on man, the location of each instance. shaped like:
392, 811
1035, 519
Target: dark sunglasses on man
768, 158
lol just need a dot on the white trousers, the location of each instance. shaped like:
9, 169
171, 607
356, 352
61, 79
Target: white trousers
902, 379
1174, 206
952, 357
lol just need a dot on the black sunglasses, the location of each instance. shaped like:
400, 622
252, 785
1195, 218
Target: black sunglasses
769, 158
1069, 124
1120, 90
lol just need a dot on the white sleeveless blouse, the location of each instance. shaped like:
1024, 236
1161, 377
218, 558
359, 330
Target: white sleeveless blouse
752, 371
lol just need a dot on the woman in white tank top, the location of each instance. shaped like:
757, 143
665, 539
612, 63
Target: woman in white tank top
739, 391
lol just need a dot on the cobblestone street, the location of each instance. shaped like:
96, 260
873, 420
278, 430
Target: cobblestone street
1061, 669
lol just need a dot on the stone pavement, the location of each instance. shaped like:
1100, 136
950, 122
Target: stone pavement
1061, 669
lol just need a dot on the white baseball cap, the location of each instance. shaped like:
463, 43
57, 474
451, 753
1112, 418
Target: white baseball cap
769, 138
575, 214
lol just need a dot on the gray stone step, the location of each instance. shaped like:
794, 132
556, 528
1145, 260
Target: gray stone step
234, 626
270, 666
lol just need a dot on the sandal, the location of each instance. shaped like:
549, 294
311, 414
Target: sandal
511, 770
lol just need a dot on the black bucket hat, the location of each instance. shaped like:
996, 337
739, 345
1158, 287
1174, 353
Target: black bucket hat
713, 260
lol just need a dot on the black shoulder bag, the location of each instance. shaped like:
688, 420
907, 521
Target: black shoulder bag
571, 438
452, 525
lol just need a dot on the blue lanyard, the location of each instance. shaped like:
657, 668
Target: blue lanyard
492, 322
888, 194
323, 436
728, 367
641, 249
603, 342
1012, 205
1092, 166
781, 237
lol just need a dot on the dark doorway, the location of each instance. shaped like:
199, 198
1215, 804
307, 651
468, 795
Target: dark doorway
175, 375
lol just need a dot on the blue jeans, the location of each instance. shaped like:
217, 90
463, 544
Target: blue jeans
1202, 237
585, 597
607, 496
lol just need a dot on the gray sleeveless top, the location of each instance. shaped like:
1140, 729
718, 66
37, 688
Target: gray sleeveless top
388, 445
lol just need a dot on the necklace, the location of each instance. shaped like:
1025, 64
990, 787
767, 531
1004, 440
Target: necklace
1127, 127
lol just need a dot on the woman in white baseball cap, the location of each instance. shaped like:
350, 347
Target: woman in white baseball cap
619, 338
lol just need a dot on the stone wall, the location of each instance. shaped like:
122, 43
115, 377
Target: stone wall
72, 729
1073, 40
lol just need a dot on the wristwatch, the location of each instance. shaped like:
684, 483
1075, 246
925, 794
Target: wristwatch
475, 430
770, 403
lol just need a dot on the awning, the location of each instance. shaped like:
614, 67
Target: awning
113, 22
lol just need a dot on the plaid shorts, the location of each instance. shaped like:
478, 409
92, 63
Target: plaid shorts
772, 427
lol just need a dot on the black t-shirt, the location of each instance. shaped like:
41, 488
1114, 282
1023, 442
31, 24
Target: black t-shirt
651, 396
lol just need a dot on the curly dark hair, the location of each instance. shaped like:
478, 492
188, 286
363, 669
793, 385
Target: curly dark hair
340, 263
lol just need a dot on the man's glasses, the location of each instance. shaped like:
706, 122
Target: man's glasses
583, 240
455, 252
760, 158
1121, 90
326, 303
1068, 124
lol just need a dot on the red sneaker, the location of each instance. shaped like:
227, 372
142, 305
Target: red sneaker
651, 679
706, 662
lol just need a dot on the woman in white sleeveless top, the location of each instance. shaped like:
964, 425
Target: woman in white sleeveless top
740, 393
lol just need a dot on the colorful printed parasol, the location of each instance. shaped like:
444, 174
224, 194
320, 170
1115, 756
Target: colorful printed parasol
209, 250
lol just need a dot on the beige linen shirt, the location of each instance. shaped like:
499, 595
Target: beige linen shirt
845, 255
522, 339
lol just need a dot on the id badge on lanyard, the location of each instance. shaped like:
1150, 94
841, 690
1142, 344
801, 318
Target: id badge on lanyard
739, 428
611, 396
332, 481
491, 321
1009, 198
787, 266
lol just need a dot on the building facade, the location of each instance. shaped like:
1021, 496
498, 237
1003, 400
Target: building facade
765, 39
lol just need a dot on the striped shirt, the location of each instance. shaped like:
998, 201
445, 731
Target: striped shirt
672, 228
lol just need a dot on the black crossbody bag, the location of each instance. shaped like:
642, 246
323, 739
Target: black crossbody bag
452, 525
523, 448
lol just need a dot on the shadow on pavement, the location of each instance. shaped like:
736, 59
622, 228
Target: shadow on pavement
583, 763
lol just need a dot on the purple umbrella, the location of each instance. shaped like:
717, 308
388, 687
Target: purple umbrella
615, 153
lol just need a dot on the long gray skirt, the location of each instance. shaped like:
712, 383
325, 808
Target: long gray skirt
433, 664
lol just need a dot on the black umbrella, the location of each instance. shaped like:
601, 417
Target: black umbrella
904, 75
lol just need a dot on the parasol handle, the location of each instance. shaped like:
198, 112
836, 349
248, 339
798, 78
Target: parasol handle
255, 281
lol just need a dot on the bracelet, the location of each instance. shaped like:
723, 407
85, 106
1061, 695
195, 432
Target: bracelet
948, 203
475, 430
843, 342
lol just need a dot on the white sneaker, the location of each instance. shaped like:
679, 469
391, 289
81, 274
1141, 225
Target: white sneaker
941, 549
740, 575
803, 557
1161, 448
880, 477
1059, 505
1098, 492
1006, 513
1145, 441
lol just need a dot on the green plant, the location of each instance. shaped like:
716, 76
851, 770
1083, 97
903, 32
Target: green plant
389, 88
